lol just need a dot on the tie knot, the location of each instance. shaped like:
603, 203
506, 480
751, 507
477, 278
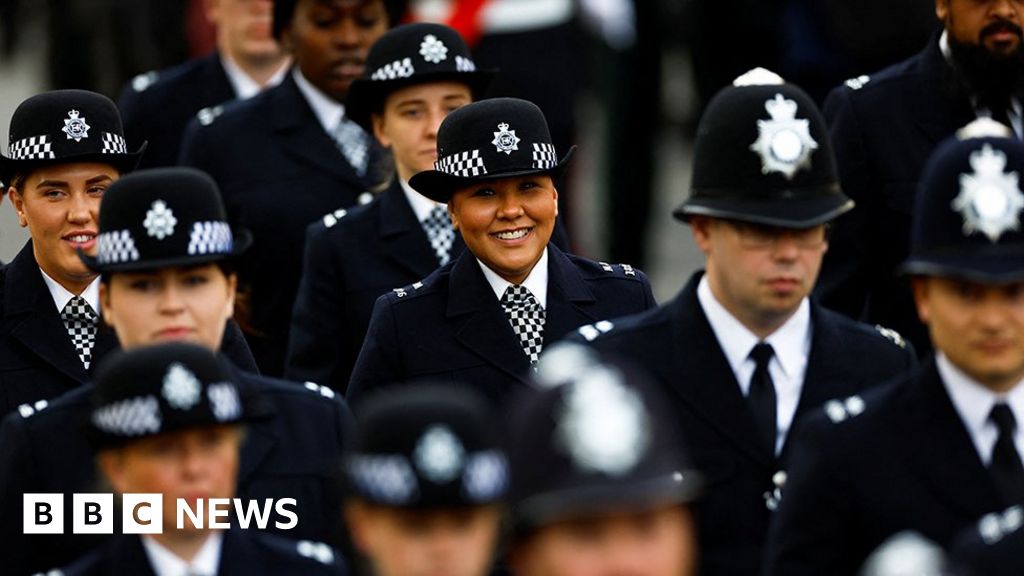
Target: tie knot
1002, 417
761, 353
438, 215
517, 295
79, 309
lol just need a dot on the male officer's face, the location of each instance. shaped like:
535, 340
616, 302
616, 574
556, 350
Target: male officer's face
760, 274
407, 542
244, 28
994, 24
506, 223
656, 542
409, 122
177, 303
193, 464
329, 40
979, 327
60, 206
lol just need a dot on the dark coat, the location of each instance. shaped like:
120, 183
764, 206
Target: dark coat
242, 554
278, 171
37, 359
451, 327
676, 343
905, 463
156, 106
293, 454
883, 131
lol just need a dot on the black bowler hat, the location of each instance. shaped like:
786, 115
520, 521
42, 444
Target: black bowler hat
592, 436
163, 217
489, 140
407, 55
763, 155
967, 212
426, 445
164, 388
66, 126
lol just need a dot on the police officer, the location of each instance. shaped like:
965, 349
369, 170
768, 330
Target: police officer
939, 448
166, 254
157, 105
290, 155
742, 352
443, 515
169, 419
354, 257
602, 482
484, 317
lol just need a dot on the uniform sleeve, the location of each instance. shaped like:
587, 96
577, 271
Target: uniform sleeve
236, 349
843, 283
17, 476
648, 294
379, 362
319, 349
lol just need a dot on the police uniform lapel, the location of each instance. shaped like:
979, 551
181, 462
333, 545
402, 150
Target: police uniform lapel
40, 330
936, 439
479, 323
261, 437
301, 134
401, 234
937, 115
826, 376
216, 86
569, 297
704, 378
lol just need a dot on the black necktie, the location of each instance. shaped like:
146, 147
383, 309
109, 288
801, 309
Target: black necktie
1006, 467
762, 395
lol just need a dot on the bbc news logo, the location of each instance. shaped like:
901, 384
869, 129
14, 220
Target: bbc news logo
143, 513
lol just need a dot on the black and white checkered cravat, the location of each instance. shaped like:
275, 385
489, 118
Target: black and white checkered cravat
525, 314
439, 230
80, 320
353, 143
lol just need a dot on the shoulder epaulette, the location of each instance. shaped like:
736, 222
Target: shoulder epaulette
207, 115
404, 291
858, 82
27, 410
318, 551
592, 331
840, 410
143, 81
332, 218
627, 269
321, 390
891, 335
995, 526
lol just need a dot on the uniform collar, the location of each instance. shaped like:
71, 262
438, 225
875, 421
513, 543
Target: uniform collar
166, 563
61, 296
421, 205
974, 402
536, 282
243, 84
791, 341
327, 111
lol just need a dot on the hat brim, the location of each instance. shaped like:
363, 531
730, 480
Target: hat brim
367, 96
543, 509
991, 268
798, 210
124, 163
439, 186
242, 240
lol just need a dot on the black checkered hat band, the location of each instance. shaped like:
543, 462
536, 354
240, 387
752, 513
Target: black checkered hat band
464, 64
544, 156
465, 164
115, 247
393, 70
32, 148
210, 238
113, 144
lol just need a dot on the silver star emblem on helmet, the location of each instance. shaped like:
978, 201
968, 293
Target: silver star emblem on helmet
439, 456
160, 220
784, 143
181, 387
505, 140
75, 126
990, 199
433, 50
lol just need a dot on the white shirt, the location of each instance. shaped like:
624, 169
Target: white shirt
536, 282
327, 111
974, 402
421, 205
792, 345
1015, 114
245, 87
167, 563
61, 296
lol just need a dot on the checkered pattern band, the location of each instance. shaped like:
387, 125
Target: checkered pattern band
80, 321
465, 164
544, 156
33, 148
113, 144
131, 417
389, 479
439, 230
115, 247
393, 70
486, 476
210, 238
526, 316
464, 64
224, 401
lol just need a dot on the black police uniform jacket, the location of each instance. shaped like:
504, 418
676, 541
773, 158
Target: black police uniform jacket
156, 106
676, 343
278, 172
883, 130
351, 259
242, 554
38, 361
451, 327
293, 453
906, 463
